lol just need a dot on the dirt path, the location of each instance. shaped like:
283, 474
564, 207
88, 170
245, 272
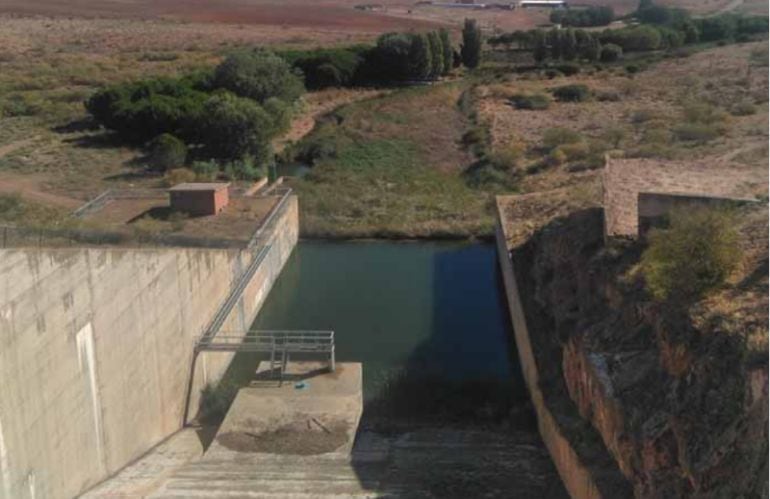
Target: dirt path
318, 104
14, 146
30, 188
730, 6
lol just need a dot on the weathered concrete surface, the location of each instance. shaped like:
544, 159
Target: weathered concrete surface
427, 463
328, 408
146, 474
576, 476
96, 351
624, 179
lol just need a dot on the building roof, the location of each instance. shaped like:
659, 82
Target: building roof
199, 186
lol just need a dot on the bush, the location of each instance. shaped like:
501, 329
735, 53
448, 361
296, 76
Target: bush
695, 132
743, 108
258, 75
608, 96
572, 93
556, 158
693, 255
507, 157
243, 169
143, 110
166, 152
555, 137
551, 73
574, 151
205, 170
610, 53
569, 68
179, 176
531, 101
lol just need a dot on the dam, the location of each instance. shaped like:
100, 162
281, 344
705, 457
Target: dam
105, 363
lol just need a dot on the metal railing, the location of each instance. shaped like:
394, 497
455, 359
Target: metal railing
279, 344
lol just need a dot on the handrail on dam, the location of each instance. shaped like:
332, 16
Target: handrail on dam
279, 344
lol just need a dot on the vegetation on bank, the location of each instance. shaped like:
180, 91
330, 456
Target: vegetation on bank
391, 167
695, 253
660, 28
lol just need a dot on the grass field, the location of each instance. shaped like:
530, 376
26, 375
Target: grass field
396, 170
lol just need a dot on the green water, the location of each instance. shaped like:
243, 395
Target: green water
435, 307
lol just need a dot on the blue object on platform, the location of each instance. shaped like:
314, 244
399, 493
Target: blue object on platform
301, 385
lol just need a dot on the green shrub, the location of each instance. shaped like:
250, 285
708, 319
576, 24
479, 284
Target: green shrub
569, 68
572, 93
610, 53
555, 137
614, 136
701, 112
693, 255
608, 96
205, 170
143, 110
243, 169
553, 73
531, 101
179, 176
574, 151
695, 132
507, 157
743, 108
166, 152
20, 105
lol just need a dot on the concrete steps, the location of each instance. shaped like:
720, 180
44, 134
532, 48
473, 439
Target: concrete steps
436, 463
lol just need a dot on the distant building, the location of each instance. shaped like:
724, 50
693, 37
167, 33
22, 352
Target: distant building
199, 199
549, 4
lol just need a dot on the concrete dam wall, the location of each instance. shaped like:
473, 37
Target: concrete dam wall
96, 347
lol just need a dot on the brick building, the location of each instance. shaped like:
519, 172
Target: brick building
199, 199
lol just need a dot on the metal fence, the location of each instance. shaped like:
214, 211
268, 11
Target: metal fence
15, 237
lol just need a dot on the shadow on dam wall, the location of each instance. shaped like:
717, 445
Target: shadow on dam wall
430, 325
466, 370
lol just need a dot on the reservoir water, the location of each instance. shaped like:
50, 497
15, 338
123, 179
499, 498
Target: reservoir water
436, 308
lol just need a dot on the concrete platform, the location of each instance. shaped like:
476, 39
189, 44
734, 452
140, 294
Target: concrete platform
311, 412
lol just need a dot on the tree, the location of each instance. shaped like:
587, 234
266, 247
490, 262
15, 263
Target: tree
569, 45
235, 127
166, 152
610, 53
446, 45
554, 42
420, 57
437, 54
470, 51
540, 46
258, 75
587, 45
691, 34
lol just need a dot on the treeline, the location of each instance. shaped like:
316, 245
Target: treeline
229, 114
583, 18
395, 57
662, 28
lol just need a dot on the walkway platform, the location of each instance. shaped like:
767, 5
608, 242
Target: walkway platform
313, 411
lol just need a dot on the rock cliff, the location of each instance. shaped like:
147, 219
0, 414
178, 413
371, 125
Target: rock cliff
678, 394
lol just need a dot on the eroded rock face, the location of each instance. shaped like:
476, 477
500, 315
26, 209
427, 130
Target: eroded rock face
680, 401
